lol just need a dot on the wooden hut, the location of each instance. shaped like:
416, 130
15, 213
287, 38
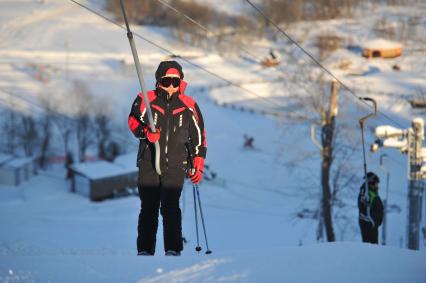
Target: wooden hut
16, 170
101, 179
382, 48
418, 103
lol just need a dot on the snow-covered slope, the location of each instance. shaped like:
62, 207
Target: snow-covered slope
48, 234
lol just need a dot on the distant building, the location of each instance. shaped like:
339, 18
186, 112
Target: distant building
418, 103
16, 170
101, 179
382, 48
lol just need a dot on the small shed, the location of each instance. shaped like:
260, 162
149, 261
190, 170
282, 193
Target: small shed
382, 48
418, 103
15, 170
101, 179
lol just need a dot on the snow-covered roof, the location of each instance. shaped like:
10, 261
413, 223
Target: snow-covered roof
101, 169
10, 161
5, 158
381, 43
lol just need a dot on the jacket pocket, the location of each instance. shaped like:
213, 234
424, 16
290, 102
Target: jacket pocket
143, 146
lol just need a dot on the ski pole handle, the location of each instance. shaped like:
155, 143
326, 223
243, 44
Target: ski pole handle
191, 158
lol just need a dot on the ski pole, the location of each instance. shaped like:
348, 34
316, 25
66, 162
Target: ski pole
361, 123
184, 212
386, 199
202, 219
195, 188
197, 248
142, 85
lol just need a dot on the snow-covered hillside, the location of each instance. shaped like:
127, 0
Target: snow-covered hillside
50, 235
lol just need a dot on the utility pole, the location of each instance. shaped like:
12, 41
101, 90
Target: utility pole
415, 190
410, 142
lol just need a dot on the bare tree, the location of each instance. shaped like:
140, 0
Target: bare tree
102, 127
82, 102
28, 135
65, 126
84, 140
9, 129
45, 127
10, 124
284, 11
326, 44
336, 178
327, 135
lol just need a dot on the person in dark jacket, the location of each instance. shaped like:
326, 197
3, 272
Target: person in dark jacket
181, 135
370, 209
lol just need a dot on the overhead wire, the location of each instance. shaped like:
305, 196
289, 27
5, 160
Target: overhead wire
186, 16
198, 66
272, 102
222, 78
227, 80
269, 20
246, 51
209, 31
204, 28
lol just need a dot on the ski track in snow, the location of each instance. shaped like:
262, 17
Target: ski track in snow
19, 28
195, 273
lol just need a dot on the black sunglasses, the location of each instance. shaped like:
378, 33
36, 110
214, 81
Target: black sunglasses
167, 81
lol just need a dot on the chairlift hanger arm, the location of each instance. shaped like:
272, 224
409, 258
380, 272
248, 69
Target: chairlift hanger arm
142, 85
363, 119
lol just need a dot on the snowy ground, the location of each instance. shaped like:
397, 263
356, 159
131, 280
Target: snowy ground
50, 235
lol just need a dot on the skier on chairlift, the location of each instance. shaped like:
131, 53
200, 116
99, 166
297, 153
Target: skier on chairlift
370, 209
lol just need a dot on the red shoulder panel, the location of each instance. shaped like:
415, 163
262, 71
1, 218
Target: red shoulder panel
151, 96
190, 103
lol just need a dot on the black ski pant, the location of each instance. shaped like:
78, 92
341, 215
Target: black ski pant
160, 193
369, 233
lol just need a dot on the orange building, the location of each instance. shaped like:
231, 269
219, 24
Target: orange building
381, 48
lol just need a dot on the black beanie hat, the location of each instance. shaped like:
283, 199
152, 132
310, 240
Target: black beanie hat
372, 178
164, 66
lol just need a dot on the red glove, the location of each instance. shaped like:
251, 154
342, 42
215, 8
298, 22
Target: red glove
152, 137
196, 174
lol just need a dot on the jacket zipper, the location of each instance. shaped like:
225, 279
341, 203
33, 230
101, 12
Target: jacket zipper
167, 134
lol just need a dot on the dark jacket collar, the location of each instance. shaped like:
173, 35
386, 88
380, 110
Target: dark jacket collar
161, 93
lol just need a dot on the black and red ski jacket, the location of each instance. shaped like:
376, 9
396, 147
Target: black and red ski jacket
180, 123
